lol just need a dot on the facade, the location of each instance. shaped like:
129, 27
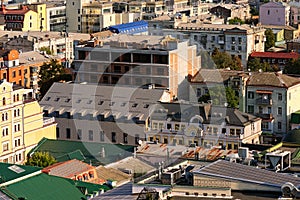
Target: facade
273, 58
137, 61
22, 19
40, 9
295, 13
239, 40
231, 11
208, 78
293, 45
274, 13
22, 123
56, 17
103, 114
202, 125
273, 97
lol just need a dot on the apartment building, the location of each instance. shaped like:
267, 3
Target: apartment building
239, 40
231, 11
40, 9
137, 61
22, 123
103, 114
274, 13
202, 125
273, 97
295, 13
56, 17
205, 79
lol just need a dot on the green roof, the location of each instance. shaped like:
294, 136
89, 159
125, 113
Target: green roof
295, 118
43, 187
91, 187
15, 171
65, 150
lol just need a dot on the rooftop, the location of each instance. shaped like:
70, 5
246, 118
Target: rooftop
272, 79
245, 173
60, 148
215, 75
281, 55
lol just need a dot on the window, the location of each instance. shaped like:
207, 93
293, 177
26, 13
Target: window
251, 109
279, 111
279, 125
268, 12
4, 101
290, 95
102, 136
17, 142
5, 146
125, 138
279, 97
265, 125
20, 72
198, 92
113, 136
68, 133
250, 95
91, 135
4, 131
79, 134
232, 131
57, 132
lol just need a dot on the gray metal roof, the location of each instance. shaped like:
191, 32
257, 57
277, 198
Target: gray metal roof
121, 102
245, 173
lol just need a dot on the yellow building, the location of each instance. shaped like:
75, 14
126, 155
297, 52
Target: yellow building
40, 9
22, 123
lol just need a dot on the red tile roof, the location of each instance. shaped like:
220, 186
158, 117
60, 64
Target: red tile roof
21, 11
291, 55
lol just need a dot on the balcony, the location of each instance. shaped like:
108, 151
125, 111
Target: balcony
265, 115
48, 120
263, 101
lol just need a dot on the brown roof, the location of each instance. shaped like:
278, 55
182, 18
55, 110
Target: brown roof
68, 169
215, 76
111, 174
273, 79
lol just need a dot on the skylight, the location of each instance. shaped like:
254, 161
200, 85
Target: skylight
16, 169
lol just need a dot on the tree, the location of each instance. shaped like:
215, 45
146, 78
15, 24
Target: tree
255, 65
293, 67
41, 159
254, 11
270, 39
224, 60
220, 95
49, 73
236, 20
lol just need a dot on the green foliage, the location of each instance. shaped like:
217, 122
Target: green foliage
254, 11
236, 20
224, 60
293, 67
270, 39
46, 49
220, 95
41, 159
49, 73
255, 65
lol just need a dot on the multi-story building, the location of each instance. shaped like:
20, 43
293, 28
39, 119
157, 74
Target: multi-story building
103, 114
273, 97
205, 79
22, 19
40, 9
274, 13
295, 13
203, 125
293, 45
239, 40
137, 61
231, 11
280, 59
56, 17
22, 123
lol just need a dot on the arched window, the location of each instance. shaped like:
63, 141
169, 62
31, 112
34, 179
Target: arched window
18, 112
18, 97
15, 113
14, 97
4, 101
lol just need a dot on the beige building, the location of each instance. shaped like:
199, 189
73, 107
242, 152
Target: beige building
202, 125
273, 97
22, 123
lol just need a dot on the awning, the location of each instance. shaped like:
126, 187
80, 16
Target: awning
264, 91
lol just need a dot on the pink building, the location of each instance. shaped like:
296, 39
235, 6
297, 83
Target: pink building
274, 13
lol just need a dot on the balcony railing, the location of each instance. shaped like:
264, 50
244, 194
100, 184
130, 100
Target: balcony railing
262, 101
265, 115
